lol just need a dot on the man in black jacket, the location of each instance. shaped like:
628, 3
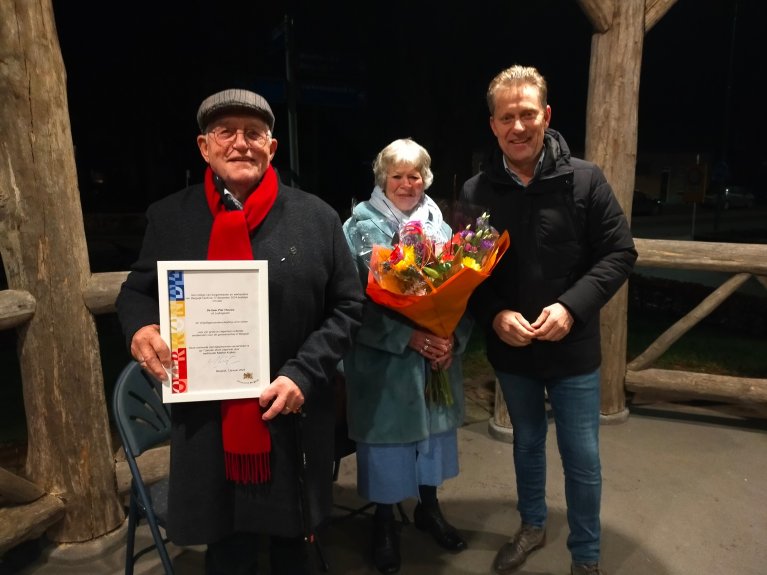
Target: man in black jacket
234, 469
571, 250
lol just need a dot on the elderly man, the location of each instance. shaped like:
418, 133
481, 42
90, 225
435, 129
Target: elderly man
234, 473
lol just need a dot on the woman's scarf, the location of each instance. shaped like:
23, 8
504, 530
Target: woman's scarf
426, 211
246, 438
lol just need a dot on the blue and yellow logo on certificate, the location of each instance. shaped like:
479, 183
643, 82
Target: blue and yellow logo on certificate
177, 307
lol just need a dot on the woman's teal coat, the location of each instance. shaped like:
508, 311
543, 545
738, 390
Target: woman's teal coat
385, 379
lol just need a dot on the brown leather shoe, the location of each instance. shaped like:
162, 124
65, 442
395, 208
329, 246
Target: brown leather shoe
586, 569
514, 553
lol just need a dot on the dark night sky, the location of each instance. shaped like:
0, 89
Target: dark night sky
136, 75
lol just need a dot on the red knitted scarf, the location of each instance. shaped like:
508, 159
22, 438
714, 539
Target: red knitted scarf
246, 438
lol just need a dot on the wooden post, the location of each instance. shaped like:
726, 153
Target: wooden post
614, 326
611, 142
42, 243
499, 426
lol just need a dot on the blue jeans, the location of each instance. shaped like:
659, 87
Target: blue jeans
575, 403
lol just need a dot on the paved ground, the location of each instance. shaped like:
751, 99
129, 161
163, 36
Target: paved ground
684, 494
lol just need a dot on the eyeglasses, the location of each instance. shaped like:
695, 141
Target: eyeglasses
227, 136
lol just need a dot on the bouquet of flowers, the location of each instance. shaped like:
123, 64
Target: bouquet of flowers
430, 283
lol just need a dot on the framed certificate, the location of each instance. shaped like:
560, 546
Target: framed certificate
214, 316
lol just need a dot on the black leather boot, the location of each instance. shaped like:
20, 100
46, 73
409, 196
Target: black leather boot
386, 556
430, 519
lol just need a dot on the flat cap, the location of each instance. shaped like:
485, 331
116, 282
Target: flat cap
234, 101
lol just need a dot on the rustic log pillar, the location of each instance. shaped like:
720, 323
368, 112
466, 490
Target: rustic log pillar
42, 242
499, 426
611, 142
614, 325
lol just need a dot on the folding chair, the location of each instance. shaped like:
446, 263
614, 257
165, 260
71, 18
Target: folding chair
143, 422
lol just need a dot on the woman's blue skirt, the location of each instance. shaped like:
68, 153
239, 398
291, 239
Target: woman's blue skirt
392, 472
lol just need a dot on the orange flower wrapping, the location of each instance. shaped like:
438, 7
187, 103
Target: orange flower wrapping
440, 310
431, 284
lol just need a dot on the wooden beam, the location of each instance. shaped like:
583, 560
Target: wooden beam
101, 291
709, 256
17, 489
654, 11
699, 385
599, 12
690, 320
23, 522
153, 464
16, 307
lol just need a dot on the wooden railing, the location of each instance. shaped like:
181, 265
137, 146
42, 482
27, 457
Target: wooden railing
26, 510
743, 261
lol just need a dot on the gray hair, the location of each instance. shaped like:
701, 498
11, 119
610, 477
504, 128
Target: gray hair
403, 151
515, 76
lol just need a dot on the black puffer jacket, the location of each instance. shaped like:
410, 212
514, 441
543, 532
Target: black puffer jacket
570, 242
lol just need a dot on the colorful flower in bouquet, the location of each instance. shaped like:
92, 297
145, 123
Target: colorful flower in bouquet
430, 283
419, 265
471, 248
408, 260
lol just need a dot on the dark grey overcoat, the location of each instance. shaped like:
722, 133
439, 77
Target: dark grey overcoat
315, 306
